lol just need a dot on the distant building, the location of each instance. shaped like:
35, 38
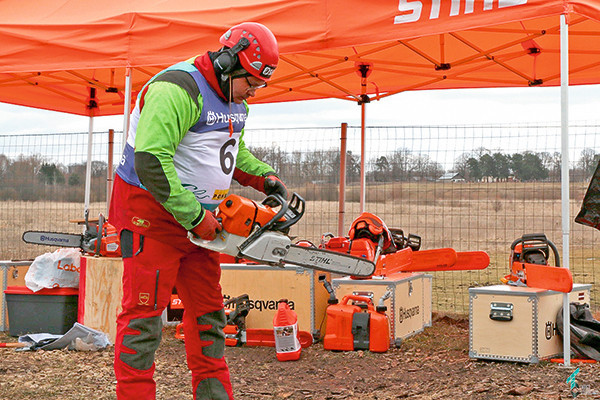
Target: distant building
451, 177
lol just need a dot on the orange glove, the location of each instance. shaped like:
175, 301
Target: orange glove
208, 228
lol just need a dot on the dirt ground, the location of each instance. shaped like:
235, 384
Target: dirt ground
433, 364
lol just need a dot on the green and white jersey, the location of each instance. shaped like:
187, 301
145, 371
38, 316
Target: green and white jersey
179, 146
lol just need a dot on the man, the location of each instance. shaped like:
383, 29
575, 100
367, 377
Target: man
184, 146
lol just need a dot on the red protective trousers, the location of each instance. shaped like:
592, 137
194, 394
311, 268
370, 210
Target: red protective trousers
152, 267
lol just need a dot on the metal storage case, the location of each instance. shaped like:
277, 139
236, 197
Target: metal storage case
517, 323
408, 307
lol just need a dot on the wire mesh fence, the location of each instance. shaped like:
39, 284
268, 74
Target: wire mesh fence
464, 187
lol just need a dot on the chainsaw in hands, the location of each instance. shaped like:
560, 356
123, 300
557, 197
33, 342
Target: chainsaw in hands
258, 232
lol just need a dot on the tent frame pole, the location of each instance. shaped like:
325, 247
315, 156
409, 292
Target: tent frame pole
363, 69
363, 155
126, 106
109, 169
342, 194
88, 167
564, 134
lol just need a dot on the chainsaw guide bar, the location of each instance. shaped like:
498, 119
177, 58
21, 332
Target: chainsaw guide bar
329, 261
53, 239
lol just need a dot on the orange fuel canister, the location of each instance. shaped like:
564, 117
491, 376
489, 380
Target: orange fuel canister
338, 332
285, 327
344, 324
379, 331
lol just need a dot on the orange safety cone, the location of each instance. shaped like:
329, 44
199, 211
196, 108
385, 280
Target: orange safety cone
285, 327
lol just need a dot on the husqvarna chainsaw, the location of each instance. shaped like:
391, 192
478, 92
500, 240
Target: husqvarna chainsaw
99, 238
258, 232
530, 266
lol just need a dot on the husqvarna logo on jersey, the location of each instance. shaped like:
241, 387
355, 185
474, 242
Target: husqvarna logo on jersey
412, 10
214, 118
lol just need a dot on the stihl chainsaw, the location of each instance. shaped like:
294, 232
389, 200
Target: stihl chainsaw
258, 232
98, 239
529, 265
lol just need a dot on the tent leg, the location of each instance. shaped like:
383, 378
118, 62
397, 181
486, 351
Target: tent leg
126, 106
564, 134
363, 155
109, 169
88, 167
342, 202
364, 69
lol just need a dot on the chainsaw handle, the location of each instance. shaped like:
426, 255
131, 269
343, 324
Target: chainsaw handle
539, 237
355, 297
99, 236
275, 200
555, 251
292, 211
295, 211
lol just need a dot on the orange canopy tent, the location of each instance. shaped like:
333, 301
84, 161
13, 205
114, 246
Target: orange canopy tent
53, 52
90, 59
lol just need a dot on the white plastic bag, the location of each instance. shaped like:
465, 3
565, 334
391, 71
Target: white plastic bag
57, 269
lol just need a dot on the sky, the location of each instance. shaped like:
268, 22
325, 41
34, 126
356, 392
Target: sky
442, 107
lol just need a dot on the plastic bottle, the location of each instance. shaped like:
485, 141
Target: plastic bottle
285, 327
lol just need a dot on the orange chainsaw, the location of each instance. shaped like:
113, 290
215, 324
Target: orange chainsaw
258, 232
529, 263
394, 252
99, 238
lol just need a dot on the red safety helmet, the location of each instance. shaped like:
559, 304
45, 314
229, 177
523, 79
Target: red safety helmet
261, 57
372, 227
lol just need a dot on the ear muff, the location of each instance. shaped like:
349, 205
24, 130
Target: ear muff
226, 62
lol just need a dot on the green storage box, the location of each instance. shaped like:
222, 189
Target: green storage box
45, 311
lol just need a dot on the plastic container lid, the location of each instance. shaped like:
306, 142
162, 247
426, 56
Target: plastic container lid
284, 316
48, 292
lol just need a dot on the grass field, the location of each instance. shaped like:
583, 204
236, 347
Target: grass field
464, 216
